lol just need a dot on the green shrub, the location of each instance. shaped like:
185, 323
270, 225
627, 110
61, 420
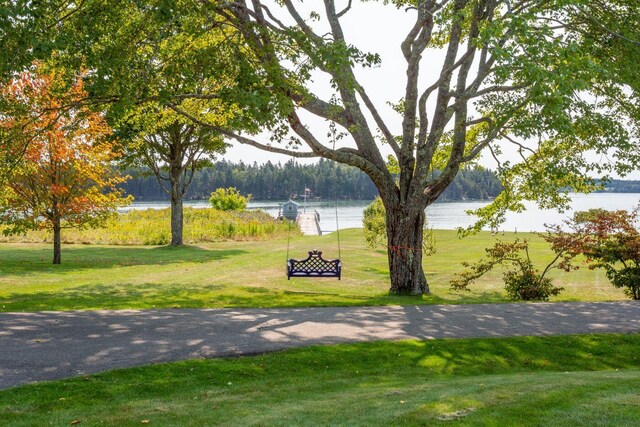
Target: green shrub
611, 241
229, 199
522, 280
627, 278
528, 285
374, 224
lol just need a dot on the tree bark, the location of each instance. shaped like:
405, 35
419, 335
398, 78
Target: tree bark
405, 232
57, 251
176, 221
177, 218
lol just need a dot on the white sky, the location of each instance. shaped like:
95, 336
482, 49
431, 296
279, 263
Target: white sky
372, 27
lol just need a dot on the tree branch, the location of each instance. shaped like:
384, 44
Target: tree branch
378, 119
241, 139
344, 11
302, 24
441, 116
321, 108
67, 15
348, 156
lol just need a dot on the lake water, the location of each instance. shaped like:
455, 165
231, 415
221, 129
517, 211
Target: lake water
441, 215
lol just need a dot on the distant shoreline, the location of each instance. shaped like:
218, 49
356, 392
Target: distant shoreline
323, 200
445, 215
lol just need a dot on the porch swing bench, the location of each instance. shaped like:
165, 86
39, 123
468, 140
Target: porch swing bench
314, 266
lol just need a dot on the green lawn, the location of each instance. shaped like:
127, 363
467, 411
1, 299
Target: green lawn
250, 274
574, 380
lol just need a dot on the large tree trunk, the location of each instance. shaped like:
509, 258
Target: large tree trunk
57, 250
405, 231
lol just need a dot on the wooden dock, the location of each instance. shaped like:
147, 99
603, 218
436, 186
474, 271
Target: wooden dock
310, 223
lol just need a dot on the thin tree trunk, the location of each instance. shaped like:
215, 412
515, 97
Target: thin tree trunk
405, 232
57, 250
177, 220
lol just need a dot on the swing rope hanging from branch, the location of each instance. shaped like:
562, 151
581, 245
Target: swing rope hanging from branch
314, 265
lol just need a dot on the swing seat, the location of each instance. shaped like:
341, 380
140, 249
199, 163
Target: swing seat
314, 266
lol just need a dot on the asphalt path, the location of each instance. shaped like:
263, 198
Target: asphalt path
51, 345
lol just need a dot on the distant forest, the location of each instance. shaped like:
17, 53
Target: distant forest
620, 186
325, 180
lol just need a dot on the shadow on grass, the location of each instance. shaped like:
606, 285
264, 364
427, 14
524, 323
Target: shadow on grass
389, 364
485, 297
434, 298
181, 295
23, 261
381, 272
346, 381
113, 296
190, 295
486, 356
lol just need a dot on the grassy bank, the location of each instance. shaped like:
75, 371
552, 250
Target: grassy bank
152, 227
251, 274
551, 381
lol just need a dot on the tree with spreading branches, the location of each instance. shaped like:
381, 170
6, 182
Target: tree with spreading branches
173, 148
544, 87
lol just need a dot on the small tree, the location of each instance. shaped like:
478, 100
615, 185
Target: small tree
173, 148
611, 241
229, 199
523, 281
65, 179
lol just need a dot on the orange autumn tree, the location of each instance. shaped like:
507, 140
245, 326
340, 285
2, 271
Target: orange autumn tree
65, 178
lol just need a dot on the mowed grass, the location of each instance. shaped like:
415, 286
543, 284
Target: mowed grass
252, 274
527, 381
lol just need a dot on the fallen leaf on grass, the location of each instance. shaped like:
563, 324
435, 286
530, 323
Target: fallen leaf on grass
74, 422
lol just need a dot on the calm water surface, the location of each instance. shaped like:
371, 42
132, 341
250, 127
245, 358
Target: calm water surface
441, 215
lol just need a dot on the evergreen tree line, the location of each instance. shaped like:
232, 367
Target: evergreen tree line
621, 186
324, 180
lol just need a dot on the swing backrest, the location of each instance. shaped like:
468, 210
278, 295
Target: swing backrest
314, 266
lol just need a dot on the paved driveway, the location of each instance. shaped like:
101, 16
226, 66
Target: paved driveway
51, 345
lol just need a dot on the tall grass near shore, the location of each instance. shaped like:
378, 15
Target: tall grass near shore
152, 227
